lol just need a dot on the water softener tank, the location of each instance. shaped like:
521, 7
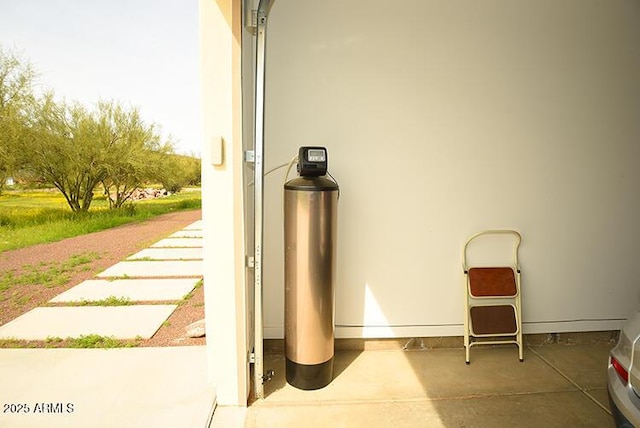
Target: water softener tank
310, 230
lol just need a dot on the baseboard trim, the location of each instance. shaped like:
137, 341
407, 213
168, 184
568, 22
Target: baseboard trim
276, 346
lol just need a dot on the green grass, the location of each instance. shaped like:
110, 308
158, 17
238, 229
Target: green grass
53, 340
49, 274
88, 341
91, 341
16, 343
34, 217
109, 301
115, 278
190, 294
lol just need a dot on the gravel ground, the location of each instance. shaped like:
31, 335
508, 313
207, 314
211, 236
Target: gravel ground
96, 252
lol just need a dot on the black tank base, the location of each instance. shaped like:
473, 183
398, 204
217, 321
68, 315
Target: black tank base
309, 376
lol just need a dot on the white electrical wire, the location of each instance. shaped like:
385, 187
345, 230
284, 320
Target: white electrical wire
275, 168
291, 162
284, 181
335, 181
286, 176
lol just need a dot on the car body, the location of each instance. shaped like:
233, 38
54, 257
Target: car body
623, 377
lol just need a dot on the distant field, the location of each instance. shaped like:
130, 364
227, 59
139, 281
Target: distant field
37, 216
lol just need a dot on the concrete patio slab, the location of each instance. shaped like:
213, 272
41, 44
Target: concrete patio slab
197, 225
168, 254
187, 234
178, 242
180, 268
136, 290
121, 322
130, 387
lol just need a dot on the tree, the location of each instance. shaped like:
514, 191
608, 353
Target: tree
179, 171
193, 165
65, 149
134, 151
76, 149
16, 101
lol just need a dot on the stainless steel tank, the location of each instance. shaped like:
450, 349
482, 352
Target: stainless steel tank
310, 233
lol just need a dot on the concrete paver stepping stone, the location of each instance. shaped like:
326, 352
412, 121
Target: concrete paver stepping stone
168, 254
120, 387
154, 268
121, 322
187, 234
197, 225
178, 242
136, 290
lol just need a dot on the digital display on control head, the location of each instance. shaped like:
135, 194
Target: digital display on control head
316, 155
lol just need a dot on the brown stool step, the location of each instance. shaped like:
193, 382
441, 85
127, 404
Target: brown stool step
493, 320
492, 282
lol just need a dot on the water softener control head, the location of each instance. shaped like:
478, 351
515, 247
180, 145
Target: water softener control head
312, 161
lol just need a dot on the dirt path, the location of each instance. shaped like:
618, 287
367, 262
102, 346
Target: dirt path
93, 253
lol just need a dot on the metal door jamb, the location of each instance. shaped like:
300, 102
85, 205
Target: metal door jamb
259, 196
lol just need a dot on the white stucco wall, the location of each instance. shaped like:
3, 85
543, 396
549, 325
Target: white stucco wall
222, 201
443, 118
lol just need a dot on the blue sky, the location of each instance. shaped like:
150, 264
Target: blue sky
142, 53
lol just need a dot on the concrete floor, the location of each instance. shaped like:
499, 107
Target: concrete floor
556, 386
